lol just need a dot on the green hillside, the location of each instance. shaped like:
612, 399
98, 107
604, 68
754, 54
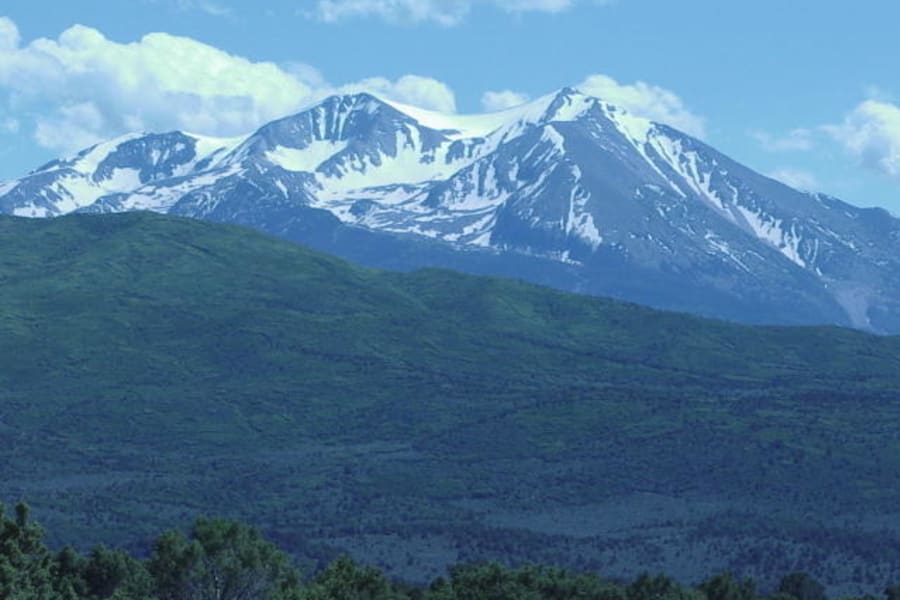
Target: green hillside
153, 369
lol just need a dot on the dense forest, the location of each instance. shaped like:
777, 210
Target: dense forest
226, 560
157, 369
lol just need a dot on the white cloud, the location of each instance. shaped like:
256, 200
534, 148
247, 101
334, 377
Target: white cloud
9, 125
548, 6
210, 7
494, 101
796, 139
307, 74
9, 34
423, 92
442, 12
85, 87
72, 127
645, 100
99, 87
796, 178
871, 132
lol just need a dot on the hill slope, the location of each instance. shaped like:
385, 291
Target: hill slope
154, 368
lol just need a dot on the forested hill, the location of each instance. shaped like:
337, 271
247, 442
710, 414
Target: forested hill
147, 282
226, 560
153, 369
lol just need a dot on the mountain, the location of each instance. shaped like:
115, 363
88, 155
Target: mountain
155, 368
567, 191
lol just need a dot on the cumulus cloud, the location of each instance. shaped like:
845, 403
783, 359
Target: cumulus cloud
796, 139
81, 87
871, 132
85, 87
645, 100
494, 101
72, 127
796, 178
163, 81
423, 92
442, 12
9, 34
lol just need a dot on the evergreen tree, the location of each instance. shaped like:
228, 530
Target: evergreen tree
26, 566
726, 587
801, 586
343, 579
659, 587
222, 560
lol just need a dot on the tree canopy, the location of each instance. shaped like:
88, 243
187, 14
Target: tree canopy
219, 559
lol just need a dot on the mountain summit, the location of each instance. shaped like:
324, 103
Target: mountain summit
567, 190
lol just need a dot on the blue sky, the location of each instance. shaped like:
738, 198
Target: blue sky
805, 91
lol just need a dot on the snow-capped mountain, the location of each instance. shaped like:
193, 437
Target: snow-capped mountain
567, 190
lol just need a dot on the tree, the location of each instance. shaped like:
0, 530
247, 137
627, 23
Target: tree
802, 587
343, 579
491, 581
108, 573
222, 560
69, 573
726, 587
659, 587
26, 566
488, 581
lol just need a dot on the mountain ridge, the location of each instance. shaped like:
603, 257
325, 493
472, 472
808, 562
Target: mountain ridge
569, 180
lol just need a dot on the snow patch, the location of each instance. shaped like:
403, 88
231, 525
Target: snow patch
31, 211
635, 129
769, 229
206, 146
579, 221
410, 165
7, 186
305, 159
121, 180
87, 161
722, 246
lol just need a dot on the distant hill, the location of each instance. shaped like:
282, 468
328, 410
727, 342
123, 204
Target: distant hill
154, 368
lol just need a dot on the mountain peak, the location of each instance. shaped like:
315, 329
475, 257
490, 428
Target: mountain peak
569, 91
355, 100
568, 178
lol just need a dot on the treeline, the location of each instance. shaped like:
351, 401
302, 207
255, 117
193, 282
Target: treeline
226, 560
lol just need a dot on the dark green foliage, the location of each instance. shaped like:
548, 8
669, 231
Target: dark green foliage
659, 587
726, 587
801, 586
226, 560
114, 574
26, 566
221, 560
343, 579
154, 369
69, 574
491, 581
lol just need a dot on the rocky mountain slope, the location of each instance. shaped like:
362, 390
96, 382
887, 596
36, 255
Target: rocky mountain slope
568, 191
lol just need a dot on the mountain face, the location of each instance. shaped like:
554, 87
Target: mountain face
567, 191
